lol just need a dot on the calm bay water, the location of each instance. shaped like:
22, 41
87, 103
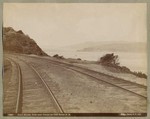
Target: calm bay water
134, 61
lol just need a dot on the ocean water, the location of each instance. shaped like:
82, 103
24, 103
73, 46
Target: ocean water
134, 61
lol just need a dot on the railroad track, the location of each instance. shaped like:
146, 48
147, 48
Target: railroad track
54, 102
134, 88
49, 91
19, 96
16, 108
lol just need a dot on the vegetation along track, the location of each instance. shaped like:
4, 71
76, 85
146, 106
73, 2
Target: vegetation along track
17, 94
52, 107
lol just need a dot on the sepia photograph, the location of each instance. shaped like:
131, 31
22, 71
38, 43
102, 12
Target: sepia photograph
75, 59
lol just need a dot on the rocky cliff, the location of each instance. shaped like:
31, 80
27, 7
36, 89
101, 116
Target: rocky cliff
18, 42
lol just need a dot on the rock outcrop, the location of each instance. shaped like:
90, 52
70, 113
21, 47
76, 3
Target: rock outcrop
18, 42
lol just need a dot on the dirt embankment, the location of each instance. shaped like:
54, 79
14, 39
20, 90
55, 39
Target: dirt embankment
18, 42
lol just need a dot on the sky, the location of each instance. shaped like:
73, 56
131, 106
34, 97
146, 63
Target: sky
54, 25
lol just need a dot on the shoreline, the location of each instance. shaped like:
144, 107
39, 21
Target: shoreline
135, 62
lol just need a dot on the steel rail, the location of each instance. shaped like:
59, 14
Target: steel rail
18, 108
49, 90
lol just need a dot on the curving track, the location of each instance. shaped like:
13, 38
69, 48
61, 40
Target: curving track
34, 95
57, 105
14, 91
134, 88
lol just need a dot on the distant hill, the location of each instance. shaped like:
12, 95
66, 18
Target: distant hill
18, 42
109, 46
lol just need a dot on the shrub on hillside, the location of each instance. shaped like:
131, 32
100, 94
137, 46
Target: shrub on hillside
57, 56
113, 60
140, 74
78, 58
109, 59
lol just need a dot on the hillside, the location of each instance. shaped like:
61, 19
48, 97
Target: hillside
109, 46
18, 42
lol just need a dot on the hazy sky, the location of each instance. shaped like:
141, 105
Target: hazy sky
62, 24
